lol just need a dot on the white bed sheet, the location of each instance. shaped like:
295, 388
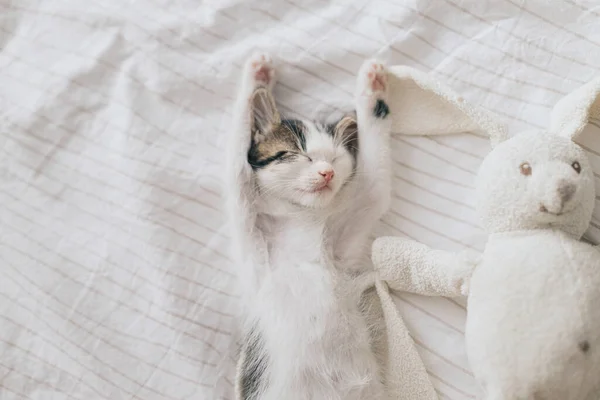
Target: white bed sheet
115, 278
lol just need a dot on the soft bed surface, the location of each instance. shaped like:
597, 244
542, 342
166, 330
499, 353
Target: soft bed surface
115, 278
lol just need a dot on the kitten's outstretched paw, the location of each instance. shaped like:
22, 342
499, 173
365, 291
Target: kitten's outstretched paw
373, 87
259, 71
373, 77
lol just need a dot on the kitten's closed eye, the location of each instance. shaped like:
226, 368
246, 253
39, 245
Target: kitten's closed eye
283, 142
281, 154
256, 161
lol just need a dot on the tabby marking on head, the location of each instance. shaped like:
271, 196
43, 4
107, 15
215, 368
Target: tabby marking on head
281, 143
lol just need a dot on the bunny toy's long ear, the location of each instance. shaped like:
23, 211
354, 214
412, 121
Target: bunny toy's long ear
423, 106
573, 112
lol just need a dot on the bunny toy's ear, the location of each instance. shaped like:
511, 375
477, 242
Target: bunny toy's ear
422, 106
573, 112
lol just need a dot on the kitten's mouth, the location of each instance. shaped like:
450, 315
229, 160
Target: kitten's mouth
319, 189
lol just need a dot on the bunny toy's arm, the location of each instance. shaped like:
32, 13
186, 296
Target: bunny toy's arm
410, 266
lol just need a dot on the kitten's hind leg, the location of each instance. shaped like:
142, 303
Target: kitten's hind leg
374, 125
252, 369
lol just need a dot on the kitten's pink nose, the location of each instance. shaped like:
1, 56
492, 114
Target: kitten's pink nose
327, 174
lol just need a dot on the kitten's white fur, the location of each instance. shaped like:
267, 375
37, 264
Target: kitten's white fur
302, 256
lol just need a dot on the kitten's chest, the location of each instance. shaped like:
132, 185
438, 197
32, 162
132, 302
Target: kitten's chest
301, 274
293, 245
301, 298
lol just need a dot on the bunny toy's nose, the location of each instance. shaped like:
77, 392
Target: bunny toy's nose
327, 174
566, 190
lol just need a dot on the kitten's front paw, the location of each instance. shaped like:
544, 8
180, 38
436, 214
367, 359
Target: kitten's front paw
374, 75
259, 71
373, 87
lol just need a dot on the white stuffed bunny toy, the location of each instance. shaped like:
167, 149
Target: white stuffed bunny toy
533, 315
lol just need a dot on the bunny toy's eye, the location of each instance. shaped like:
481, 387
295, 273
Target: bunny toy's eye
525, 169
576, 166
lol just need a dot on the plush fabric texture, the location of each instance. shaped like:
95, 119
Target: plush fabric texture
414, 98
417, 265
533, 324
406, 376
424, 106
572, 113
507, 200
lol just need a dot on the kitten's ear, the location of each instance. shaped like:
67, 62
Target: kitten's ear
264, 111
346, 131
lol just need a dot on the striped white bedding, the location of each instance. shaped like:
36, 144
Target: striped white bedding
115, 278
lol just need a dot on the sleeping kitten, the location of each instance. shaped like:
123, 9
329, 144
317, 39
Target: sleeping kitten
304, 198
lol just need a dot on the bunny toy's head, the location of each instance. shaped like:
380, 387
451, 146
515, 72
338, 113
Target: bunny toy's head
536, 180
542, 179
533, 180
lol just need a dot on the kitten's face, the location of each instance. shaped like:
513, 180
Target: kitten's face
303, 163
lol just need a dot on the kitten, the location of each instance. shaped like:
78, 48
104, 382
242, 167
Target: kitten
303, 200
